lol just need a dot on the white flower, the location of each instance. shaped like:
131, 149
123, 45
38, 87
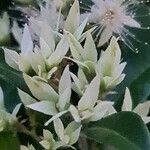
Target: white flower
53, 17
48, 141
86, 57
35, 60
89, 108
79, 82
4, 28
74, 25
51, 103
141, 109
67, 136
109, 65
48, 14
112, 17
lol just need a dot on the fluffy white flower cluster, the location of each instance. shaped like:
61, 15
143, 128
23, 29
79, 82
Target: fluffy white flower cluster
45, 60
112, 16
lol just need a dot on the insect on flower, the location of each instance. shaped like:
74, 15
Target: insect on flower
114, 18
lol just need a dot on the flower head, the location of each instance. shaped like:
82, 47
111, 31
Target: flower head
112, 17
35, 58
89, 108
48, 141
108, 65
67, 136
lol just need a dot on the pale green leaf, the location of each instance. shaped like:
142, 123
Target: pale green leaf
75, 47
73, 131
41, 90
58, 55
90, 52
48, 108
11, 58
26, 98
73, 19
90, 95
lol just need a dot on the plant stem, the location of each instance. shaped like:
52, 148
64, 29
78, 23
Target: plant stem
83, 143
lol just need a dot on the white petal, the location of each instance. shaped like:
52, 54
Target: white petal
129, 21
75, 114
90, 52
79, 63
34, 24
80, 29
73, 19
65, 78
105, 36
16, 109
61, 50
115, 81
110, 58
119, 69
76, 85
47, 134
22, 147
26, 98
11, 58
75, 47
47, 35
79, 83
146, 119
100, 110
84, 35
51, 72
59, 128
36, 60
45, 49
64, 99
73, 131
142, 109
90, 95
24, 62
111, 111
41, 90
1, 99
58, 115
127, 103
82, 78
76, 89
45, 107
26, 44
